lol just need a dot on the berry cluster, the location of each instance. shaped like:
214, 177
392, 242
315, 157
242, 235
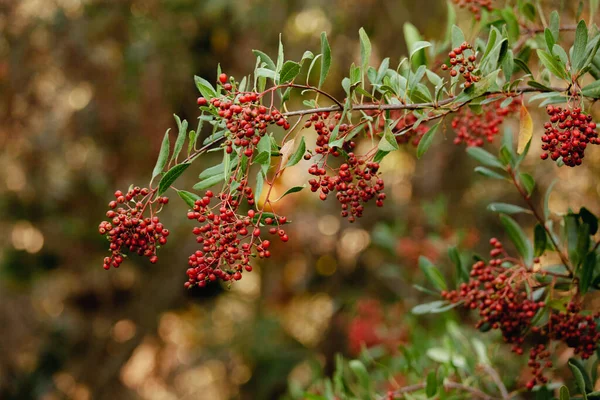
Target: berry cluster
474, 6
501, 304
129, 230
323, 124
462, 60
228, 239
356, 182
245, 118
567, 135
473, 129
409, 135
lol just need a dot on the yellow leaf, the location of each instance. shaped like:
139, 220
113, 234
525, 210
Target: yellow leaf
286, 152
525, 129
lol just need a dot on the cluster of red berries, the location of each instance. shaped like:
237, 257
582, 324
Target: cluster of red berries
501, 305
474, 6
473, 129
567, 135
245, 118
404, 124
355, 183
228, 240
128, 230
323, 124
462, 61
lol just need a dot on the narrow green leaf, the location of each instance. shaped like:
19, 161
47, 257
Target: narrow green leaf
528, 182
564, 393
412, 36
182, 128
484, 157
555, 24
426, 140
427, 308
578, 50
326, 61
269, 64
592, 90
364, 381
388, 141
171, 176
462, 275
518, 237
589, 219
587, 272
365, 48
209, 182
552, 64
260, 181
205, 88
547, 200
431, 385
458, 37
298, 154
539, 240
418, 46
289, 71
505, 208
580, 375
189, 197
163, 156
218, 169
489, 173
291, 190
432, 273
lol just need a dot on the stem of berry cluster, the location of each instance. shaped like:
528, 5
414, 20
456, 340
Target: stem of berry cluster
564, 259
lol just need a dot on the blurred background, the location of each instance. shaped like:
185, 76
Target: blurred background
87, 90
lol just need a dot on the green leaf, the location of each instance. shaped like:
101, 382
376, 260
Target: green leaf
564, 393
163, 155
432, 273
518, 237
539, 240
388, 141
592, 90
326, 61
552, 64
589, 219
171, 176
289, 71
298, 154
523, 65
586, 273
218, 169
581, 378
205, 88
365, 48
458, 37
427, 139
547, 200
260, 181
462, 274
291, 190
269, 64
505, 208
528, 182
280, 58
182, 127
572, 232
189, 197
431, 385
209, 182
364, 381
418, 46
484, 157
412, 36
578, 51
555, 24
489, 173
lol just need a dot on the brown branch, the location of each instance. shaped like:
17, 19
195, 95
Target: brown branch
564, 259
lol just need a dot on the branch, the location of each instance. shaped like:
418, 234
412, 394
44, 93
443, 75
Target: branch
564, 259
415, 106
